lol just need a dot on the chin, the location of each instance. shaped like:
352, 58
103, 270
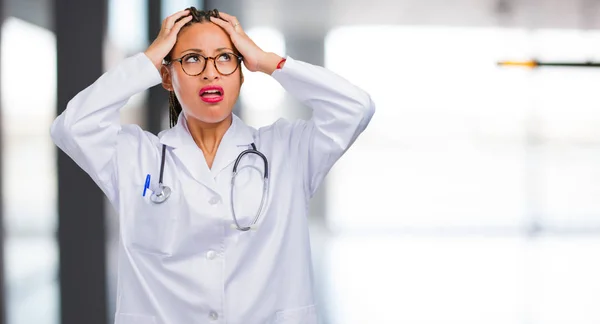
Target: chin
212, 117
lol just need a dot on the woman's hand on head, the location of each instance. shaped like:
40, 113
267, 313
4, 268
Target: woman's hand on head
167, 37
255, 59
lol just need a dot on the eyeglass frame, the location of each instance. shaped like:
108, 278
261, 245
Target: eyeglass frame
206, 58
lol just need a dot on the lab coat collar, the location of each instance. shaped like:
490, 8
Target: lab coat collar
179, 135
238, 137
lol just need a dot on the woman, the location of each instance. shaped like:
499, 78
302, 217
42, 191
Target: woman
195, 252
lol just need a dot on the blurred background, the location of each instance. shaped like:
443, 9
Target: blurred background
473, 196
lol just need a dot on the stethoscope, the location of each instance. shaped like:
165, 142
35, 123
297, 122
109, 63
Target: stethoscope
164, 192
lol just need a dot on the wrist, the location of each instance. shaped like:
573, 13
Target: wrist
270, 63
156, 61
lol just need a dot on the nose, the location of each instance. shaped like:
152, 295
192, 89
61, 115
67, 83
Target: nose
210, 72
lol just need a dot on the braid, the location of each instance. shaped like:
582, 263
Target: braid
198, 16
174, 109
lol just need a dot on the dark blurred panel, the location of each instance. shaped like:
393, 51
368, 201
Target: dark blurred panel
80, 29
157, 97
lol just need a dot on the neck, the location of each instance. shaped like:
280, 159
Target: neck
208, 136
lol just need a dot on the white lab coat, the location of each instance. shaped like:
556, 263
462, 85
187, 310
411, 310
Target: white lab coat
180, 262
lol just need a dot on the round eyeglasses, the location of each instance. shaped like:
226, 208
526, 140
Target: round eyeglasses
194, 64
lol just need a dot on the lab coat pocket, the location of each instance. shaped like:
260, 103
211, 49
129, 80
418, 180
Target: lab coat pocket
153, 226
134, 319
302, 315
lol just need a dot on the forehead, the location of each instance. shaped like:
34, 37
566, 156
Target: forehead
207, 37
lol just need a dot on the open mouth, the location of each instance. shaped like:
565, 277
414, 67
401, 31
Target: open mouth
211, 94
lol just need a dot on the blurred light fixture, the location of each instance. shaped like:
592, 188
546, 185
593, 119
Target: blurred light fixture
535, 64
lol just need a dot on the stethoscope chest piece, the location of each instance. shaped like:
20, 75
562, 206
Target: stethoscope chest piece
164, 192
161, 196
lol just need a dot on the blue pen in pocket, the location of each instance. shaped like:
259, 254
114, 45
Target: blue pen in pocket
146, 185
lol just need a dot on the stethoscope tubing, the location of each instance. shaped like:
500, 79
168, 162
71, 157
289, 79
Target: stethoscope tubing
164, 192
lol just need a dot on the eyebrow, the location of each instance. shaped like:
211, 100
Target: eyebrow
221, 49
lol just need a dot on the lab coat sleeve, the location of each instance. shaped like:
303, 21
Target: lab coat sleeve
88, 129
341, 112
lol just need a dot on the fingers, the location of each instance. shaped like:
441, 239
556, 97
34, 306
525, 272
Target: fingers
169, 22
228, 17
223, 24
177, 27
231, 27
232, 20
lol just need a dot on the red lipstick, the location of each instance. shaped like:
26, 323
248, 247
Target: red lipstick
211, 94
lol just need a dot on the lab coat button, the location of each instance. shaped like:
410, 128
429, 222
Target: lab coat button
211, 254
214, 200
213, 316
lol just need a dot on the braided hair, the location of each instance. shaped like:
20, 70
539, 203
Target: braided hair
198, 16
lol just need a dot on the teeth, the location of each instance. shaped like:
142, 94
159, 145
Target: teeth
212, 91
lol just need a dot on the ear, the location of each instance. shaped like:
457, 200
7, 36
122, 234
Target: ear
167, 82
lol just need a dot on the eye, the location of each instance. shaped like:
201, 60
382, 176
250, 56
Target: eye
193, 58
225, 57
